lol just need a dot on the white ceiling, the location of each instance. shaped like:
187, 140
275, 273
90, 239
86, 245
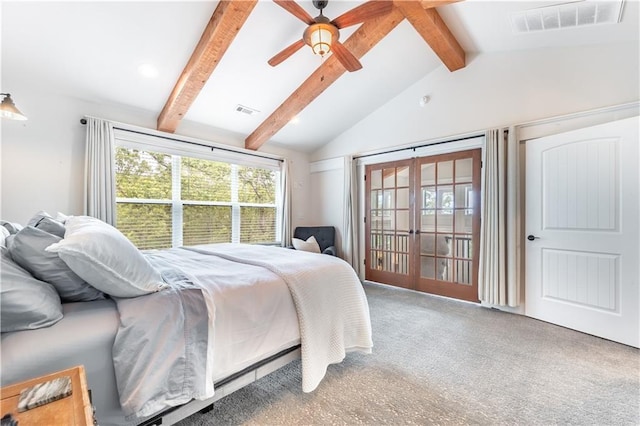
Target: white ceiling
92, 50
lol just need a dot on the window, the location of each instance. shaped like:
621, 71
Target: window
168, 200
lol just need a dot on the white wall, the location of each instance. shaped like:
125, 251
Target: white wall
495, 90
42, 159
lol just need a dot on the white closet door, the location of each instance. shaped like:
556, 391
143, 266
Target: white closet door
583, 230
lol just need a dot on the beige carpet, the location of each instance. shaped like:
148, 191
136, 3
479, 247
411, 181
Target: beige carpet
438, 361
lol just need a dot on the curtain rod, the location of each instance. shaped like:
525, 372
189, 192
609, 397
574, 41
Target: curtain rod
418, 146
84, 121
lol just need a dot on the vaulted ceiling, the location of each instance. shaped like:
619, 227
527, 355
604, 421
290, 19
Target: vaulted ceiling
211, 60
229, 17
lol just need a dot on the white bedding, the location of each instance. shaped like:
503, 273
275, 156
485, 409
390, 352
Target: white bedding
164, 353
332, 309
251, 315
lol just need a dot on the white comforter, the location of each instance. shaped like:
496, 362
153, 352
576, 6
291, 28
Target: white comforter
333, 314
331, 307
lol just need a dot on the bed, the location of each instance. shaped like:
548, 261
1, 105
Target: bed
221, 316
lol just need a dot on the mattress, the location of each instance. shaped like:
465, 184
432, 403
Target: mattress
83, 336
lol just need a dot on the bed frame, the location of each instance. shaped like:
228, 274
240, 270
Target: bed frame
226, 387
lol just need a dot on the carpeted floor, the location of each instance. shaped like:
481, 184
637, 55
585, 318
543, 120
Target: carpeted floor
439, 361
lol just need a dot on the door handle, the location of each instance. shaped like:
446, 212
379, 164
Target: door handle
532, 237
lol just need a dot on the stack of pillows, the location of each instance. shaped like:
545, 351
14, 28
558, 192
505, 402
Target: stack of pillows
51, 261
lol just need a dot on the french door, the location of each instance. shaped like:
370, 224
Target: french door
423, 223
389, 223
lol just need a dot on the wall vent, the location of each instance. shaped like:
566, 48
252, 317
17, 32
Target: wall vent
246, 110
567, 15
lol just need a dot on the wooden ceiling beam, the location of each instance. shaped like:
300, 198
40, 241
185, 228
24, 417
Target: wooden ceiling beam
428, 4
360, 42
224, 25
434, 31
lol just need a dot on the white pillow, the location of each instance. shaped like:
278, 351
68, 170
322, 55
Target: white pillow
103, 257
311, 245
4, 233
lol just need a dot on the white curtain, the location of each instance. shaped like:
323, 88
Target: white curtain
350, 251
100, 181
498, 282
285, 188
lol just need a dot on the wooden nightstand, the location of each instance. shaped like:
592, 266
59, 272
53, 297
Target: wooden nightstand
73, 410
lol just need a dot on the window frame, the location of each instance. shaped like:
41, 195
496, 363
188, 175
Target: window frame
147, 142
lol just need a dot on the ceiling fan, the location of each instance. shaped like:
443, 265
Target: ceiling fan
322, 35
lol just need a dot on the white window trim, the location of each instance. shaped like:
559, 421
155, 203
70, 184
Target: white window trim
148, 142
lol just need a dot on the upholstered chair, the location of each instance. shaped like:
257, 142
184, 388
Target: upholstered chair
324, 235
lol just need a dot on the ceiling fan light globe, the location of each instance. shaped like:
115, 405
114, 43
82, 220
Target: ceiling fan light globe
320, 36
321, 48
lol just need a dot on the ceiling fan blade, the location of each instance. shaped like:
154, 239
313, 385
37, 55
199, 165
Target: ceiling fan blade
346, 58
365, 11
296, 10
286, 52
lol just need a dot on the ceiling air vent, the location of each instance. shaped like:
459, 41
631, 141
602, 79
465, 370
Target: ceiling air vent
567, 15
246, 110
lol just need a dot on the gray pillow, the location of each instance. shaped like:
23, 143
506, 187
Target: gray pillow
37, 217
25, 302
27, 249
51, 226
12, 227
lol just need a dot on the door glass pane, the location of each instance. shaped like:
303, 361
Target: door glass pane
464, 168
463, 246
464, 221
443, 245
388, 261
388, 199
445, 271
402, 243
376, 179
388, 242
402, 264
428, 221
388, 220
427, 267
428, 174
402, 201
444, 220
403, 176
389, 178
376, 259
376, 200
429, 197
463, 272
427, 244
376, 241
464, 196
402, 220
376, 219
445, 172
445, 198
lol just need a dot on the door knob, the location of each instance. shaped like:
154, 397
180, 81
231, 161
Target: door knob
532, 237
